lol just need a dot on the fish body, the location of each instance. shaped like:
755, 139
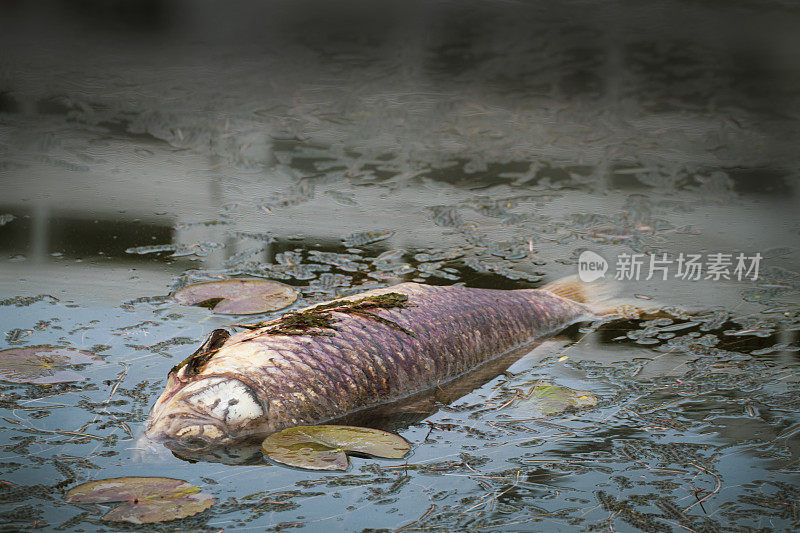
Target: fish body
354, 354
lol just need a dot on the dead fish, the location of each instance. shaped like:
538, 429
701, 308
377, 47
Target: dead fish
340, 357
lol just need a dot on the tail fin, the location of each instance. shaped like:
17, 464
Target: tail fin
572, 288
599, 296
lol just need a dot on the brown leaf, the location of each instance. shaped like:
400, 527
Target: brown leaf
147, 499
238, 296
43, 365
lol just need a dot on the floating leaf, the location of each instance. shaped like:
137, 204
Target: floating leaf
324, 447
147, 499
238, 296
43, 365
366, 237
552, 399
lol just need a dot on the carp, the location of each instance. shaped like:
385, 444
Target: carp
340, 357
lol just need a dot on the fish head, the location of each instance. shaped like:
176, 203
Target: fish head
213, 409
199, 409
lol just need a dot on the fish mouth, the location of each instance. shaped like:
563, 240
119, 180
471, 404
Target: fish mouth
210, 410
194, 434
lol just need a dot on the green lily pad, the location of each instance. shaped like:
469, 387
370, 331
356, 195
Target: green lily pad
146, 499
43, 365
238, 296
325, 447
552, 399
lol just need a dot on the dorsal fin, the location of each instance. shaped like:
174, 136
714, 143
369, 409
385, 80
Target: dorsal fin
211, 344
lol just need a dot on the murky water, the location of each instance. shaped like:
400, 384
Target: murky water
335, 149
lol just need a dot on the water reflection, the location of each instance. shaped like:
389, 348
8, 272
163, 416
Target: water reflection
42, 234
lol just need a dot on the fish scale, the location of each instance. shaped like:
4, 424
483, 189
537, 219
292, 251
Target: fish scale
435, 336
448, 340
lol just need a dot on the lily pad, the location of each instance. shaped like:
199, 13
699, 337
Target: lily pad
146, 499
325, 447
238, 296
552, 399
43, 365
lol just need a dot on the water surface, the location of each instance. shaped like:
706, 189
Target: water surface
336, 149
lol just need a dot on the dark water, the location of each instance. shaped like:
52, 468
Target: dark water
148, 145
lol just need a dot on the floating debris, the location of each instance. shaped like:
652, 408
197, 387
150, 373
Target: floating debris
328, 282
297, 194
16, 335
366, 237
266, 238
500, 268
346, 262
296, 271
446, 216
25, 301
152, 249
439, 255
239, 257
389, 256
200, 249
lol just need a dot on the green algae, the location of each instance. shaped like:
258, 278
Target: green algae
318, 319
